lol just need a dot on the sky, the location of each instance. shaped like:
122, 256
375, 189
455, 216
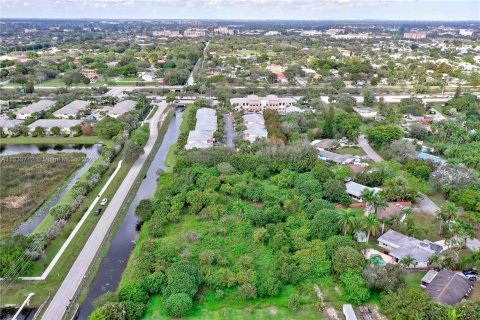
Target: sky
455, 10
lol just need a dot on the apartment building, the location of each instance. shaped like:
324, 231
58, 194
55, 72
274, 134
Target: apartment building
254, 103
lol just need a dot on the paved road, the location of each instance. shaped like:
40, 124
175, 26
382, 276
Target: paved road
229, 130
363, 143
70, 285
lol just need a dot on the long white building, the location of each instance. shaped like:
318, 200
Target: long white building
202, 136
254, 103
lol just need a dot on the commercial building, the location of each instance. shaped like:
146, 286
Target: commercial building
28, 111
71, 110
254, 103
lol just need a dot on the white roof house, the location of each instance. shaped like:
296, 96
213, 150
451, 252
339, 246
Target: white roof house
122, 108
39, 106
355, 189
200, 139
63, 124
206, 125
251, 118
71, 109
366, 112
255, 132
335, 157
7, 125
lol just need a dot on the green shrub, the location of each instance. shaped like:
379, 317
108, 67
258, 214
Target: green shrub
66, 135
178, 305
132, 291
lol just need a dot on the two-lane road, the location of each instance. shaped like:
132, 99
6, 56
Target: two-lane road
60, 302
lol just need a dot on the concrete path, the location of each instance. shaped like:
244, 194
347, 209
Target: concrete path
363, 143
229, 130
61, 301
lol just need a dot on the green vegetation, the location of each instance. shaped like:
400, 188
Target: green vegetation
28, 180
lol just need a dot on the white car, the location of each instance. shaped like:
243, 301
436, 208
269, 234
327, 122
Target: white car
104, 201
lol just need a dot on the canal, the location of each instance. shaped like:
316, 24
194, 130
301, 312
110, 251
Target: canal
113, 265
92, 152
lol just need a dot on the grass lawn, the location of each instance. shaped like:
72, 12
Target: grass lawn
428, 222
16, 292
54, 140
356, 151
171, 158
26, 185
413, 279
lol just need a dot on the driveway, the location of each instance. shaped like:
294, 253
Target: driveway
426, 205
229, 130
363, 143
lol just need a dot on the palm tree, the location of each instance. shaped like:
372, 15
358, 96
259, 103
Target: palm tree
408, 261
446, 214
379, 203
371, 224
347, 221
368, 195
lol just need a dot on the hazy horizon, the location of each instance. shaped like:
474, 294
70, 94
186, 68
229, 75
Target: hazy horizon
248, 10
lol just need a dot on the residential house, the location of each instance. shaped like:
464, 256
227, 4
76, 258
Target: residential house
122, 108
367, 113
65, 125
200, 139
71, 110
255, 124
324, 144
448, 287
206, 125
355, 190
7, 125
335, 157
28, 111
399, 246
147, 76
92, 75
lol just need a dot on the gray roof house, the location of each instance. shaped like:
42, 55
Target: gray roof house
206, 119
255, 132
63, 124
355, 189
250, 118
71, 109
335, 157
449, 287
39, 106
401, 246
122, 108
7, 125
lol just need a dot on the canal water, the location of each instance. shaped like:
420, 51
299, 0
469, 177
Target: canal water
112, 267
92, 153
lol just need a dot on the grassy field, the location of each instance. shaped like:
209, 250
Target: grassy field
16, 292
171, 159
428, 222
26, 185
53, 140
356, 151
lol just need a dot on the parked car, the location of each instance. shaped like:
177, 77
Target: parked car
104, 201
98, 211
470, 272
471, 277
